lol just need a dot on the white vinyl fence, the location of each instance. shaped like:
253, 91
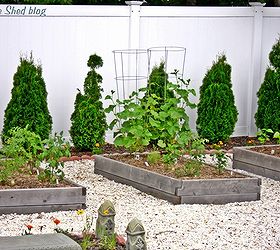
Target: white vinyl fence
63, 38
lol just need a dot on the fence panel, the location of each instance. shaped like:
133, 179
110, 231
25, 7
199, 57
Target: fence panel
63, 37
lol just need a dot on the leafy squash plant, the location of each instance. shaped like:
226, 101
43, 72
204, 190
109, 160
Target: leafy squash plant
155, 120
88, 119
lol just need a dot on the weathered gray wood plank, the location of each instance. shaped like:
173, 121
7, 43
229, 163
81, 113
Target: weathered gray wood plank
142, 187
217, 191
42, 196
151, 179
259, 159
39, 209
258, 170
219, 186
220, 199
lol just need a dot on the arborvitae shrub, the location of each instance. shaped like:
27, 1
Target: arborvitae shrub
28, 104
268, 112
88, 119
157, 83
217, 113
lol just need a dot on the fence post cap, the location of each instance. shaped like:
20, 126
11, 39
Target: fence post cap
129, 3
257, 4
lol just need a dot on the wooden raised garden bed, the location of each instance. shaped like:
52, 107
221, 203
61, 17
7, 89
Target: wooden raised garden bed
36, 200
258, 163
178, 191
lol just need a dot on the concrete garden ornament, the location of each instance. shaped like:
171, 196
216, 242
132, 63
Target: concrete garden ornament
105, 224
135, 236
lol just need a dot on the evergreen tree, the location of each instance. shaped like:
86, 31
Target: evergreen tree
88, 119
157, 84
217, 113
268, 112
28, 104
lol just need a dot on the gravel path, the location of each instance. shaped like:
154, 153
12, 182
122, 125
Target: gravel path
246, 225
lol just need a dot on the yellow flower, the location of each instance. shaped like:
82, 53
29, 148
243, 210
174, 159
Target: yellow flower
80, 212
97, 145
221, 143
106, 212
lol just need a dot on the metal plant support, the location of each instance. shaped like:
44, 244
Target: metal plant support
130, 71
173, 58
133, 67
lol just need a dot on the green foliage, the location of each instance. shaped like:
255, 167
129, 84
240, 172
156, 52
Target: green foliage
192, 168
220, 159
217, 113
21, 148
25, 148
155, 121
149, 120
54, 148
268, 112
22, 143
264, 135
108, 242
88, 119
157, 84
28, 104
153, 157
277, 136
53, 2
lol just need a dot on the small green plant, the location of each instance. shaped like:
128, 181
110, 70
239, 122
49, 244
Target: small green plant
277, 136
264, 135
153, 157
192, 168
22, 148
220, 159
108, 242
25, 148
54, 148
217, 113
28, 103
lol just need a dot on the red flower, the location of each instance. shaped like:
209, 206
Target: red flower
29, 227
56, 221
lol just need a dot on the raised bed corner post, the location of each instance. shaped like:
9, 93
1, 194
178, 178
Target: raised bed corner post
135, 236
105, 224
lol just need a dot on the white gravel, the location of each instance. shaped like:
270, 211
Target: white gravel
247, 225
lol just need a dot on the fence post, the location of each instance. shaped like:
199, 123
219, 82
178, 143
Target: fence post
134, 23
255, 67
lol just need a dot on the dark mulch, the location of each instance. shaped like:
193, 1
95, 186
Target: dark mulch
240, 142
273, 150
207, 171
227, 146
24, 178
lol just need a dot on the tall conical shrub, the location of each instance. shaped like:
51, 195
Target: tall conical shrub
28, 104
88, 119
268, 112
217, 113
157, 83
